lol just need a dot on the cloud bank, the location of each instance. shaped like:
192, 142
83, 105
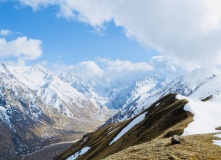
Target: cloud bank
187, 31
112, 70
22, 48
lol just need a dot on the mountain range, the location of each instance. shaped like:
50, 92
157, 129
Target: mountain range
188, 107
38, 107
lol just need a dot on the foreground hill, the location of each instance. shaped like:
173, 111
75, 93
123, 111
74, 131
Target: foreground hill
192, 147
164, 118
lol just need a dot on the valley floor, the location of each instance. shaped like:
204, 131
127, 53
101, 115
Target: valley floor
193, 147
49, 152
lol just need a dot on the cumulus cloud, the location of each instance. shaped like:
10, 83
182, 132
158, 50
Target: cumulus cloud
22, 48
126, 70
35, 4
121, 66
113, 70
187, 30
84, 69
5, 32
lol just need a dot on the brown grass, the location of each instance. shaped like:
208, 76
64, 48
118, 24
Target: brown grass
193, 147
218, 128
207, 98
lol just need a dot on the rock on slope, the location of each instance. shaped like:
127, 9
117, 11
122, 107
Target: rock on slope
162, 119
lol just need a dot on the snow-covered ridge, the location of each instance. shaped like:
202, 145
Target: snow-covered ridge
198, 83
206, 115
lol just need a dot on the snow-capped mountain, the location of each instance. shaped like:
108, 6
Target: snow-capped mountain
24, 117
116, 94
137, 90
55, 92
76, 82
36, 106
198, 83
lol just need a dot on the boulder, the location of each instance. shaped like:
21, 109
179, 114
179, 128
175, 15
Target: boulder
175, 139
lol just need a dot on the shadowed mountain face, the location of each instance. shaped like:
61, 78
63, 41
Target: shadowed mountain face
164, 118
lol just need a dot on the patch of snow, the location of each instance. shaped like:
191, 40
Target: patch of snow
217, 135
217, 142
113, 130
157, 104
206, 115
128, 127
180, 97
4, 116
77, 154
84, 140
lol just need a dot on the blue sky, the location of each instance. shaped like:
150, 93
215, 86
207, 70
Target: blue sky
116, 39
69, 41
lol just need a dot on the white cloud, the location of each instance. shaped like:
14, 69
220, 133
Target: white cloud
187, 30
44, 63
103, 60
126, 70
35, 4
113, 70
84, 69
121, 66
5, 32
88, 68
22, 48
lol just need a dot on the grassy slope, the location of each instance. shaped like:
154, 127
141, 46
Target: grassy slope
161, 121
193, 147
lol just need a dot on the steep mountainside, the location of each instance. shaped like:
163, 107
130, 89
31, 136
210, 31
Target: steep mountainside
55, 92
37, 108
25, 119
199, 83
163, 119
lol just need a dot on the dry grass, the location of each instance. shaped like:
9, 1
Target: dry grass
207, 98
218, 128
193, 147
